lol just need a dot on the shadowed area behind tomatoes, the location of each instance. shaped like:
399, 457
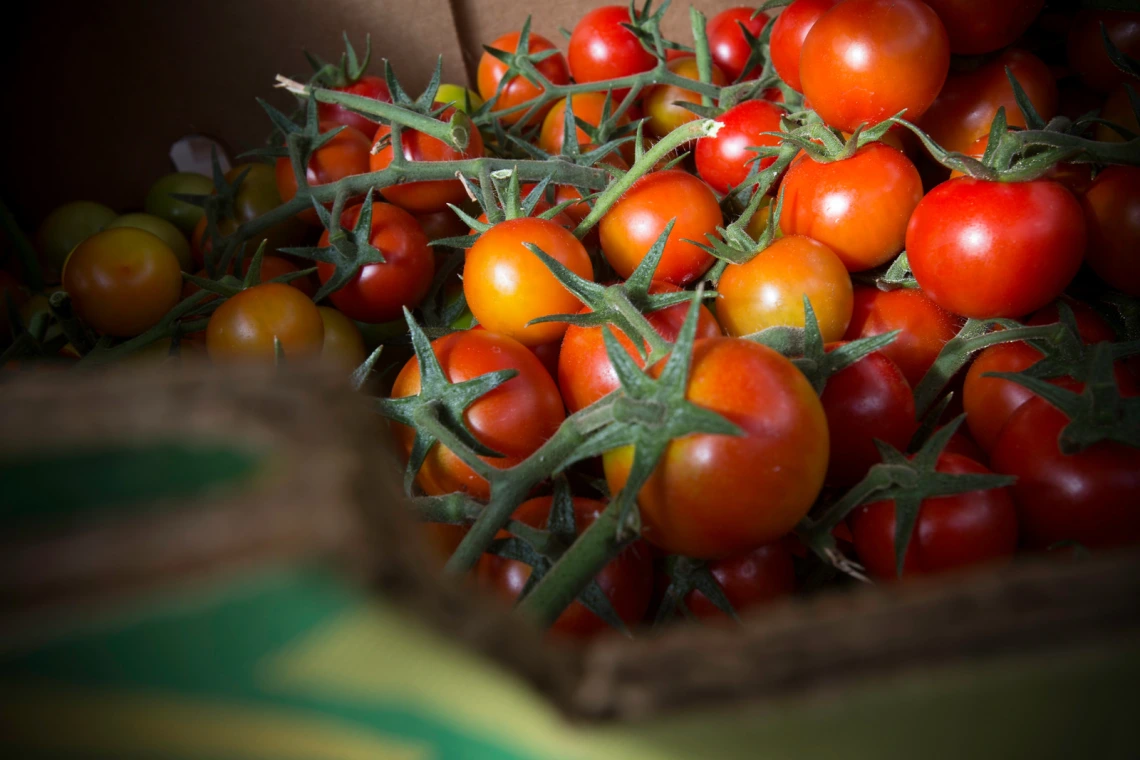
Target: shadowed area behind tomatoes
749, 581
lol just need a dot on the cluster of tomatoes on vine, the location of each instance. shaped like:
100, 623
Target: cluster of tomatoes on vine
857, 297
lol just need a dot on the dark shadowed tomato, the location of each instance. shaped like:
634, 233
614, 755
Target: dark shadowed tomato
1092, 497
925, 327
430, 195
979, 527
343, 156
601, 48
514, 419
728, 46
769, 290
989, 401
1112, 212
368, 86
10, 290
441, 224
627, 581
995, 249
122, 281
787, 38
507, 285
715, 496
244, 327
724, 161
749, 581
869, 400
379, 292
968, 102
585, 373
976, 28
858, 207
66, 227
587, 106
1087, 53
631, 227
964, 445
517, 89
661, 111
343, 346
1117, 109
866, 60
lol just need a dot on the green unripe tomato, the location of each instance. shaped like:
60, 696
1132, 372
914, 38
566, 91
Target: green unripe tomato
458, 96
66, 227
164, 231
161, 203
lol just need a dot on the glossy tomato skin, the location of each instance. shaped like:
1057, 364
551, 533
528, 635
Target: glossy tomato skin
514, 419
343, 345
952, 532
587, 106
715, 496
518, 90
585, 373
749, 581
968, 102
994, 249
430, 195
787, 38
976, 28
243, 328
343, 156
1087, 53
662, 115
925, 326
627, 581
1112, 211
631, 227
507, 285
724, 161
728, 46
866, 60
858, 207
368, 86
768, 291
122, 281
601, 48
1091, 497
379, 292
868, 400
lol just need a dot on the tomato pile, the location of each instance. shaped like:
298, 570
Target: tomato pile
846, 289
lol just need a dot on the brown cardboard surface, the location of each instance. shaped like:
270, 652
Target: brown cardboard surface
100, 90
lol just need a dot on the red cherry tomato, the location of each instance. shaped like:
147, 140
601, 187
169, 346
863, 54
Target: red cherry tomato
729, 48
379, 292
368, 86
749, 581
1091, 497
631, 227
869, 400
925, 327
587, 106
1112, 211
978, 527
768, 291
513, 419
343, 156
431, 195
507, 285
1087, 52
787, 38
585, 373
627, 581
968, 102
601, 48
714, 496
858, 207
866, 60
995, 249
661, 111
518, 90
976, 28
724, 161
